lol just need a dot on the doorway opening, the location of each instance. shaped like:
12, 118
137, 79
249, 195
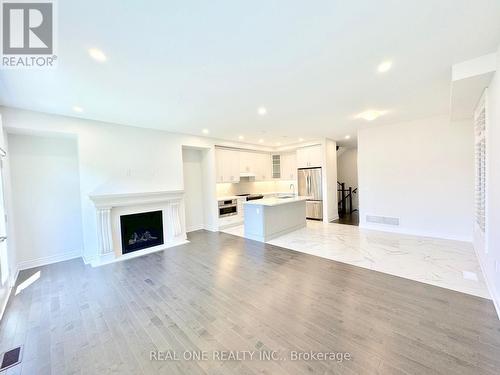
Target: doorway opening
195, 162
347, 186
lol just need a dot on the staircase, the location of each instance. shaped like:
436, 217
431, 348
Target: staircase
345, 196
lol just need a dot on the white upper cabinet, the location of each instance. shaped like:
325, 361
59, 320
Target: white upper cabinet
263, 166
246, 162
230, 164
308, 157
276, 168
289, 166
227, 165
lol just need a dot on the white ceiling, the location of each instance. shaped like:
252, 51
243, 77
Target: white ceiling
187, 65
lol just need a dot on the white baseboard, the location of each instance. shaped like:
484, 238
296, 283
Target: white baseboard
192, 228
211, 229
111, 258
495, 297
5, 301
410, 232
48, 260
87, 260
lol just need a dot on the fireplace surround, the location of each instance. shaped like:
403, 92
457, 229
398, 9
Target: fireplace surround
112, 212
141, 231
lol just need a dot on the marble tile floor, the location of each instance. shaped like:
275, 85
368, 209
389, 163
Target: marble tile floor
444, 263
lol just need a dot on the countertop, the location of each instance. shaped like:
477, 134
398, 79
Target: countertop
273, 201
227, 197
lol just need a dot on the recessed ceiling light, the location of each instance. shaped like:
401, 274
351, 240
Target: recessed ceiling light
97, 54
261, 140
205, 131
241, 137
301, 139
262, 111
77, 109
347, 136
370, 115
384, 66
278, 143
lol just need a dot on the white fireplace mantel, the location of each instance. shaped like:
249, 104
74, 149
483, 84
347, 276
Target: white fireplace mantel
129, 199
110, 206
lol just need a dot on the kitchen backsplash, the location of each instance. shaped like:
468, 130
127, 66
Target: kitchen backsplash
281, 186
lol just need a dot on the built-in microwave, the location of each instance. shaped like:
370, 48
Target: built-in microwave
228, 207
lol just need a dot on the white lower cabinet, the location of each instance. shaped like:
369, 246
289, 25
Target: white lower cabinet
241, 214
230, 221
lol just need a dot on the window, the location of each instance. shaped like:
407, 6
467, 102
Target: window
480, 162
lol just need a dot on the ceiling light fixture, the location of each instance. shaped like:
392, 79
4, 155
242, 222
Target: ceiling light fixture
261, 140
97, 54
347, 136
205, 131
240, 137
262, 111
278, 143
77, 109
301, 139
370, 115
384, 66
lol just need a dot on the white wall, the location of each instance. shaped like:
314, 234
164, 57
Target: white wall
193, 189
7, 191
46, 199
115, 158
347, 170
489, 255
421, 172
329, 180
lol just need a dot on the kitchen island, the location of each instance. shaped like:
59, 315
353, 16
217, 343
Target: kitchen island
269, 218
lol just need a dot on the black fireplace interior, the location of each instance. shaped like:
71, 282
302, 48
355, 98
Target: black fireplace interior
140, 231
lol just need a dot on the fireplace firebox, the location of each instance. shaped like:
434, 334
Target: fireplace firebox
142, 230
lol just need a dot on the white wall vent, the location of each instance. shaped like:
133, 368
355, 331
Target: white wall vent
382, 220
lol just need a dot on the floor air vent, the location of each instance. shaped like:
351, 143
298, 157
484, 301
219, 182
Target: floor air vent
382, 220
11, 358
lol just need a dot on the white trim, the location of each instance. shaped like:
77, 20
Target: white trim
495, 297
272, 236
416, 233
192, 228
133, 199
14, 280
102, 261
48, 260
87, 260
12, 283
5, 302
211, 228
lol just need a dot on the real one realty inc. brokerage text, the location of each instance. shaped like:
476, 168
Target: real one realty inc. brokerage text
247, 355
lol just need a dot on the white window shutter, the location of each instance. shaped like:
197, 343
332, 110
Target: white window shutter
480, 119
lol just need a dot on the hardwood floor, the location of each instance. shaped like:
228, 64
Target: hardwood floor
222, 292
348, 219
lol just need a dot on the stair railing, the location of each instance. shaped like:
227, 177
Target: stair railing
345, 198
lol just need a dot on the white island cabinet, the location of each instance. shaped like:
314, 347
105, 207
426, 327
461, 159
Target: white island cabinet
269, 218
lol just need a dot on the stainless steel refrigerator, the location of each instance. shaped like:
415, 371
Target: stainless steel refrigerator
310, 186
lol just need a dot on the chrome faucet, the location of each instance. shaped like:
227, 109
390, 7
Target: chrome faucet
292, 187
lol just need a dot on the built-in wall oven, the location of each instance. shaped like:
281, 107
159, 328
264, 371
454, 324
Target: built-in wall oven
228, 207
